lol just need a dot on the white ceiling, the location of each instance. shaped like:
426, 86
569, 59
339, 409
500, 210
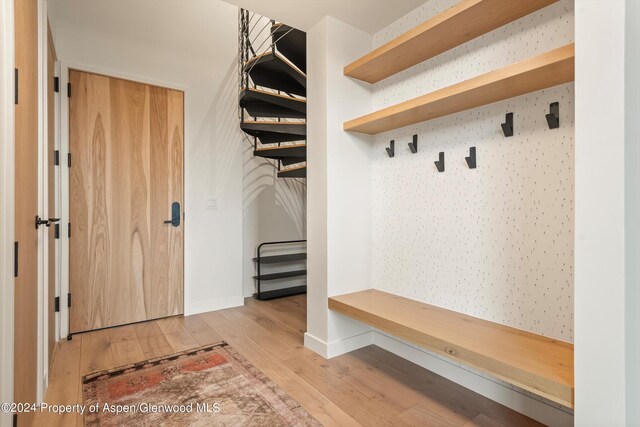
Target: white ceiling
368, 15
192, 27
201, 28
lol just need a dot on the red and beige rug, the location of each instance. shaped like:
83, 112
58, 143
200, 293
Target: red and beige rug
210, 385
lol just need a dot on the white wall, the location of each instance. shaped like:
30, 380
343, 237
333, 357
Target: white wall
431, 232
600, 214
348, 176
197, 52
339, 182
317, 183
274, 209
494, 242
632, 211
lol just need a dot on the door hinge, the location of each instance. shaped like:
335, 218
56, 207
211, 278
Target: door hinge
56, 157
15, 82
69, 299
68, 159
56, 84
69, 230
15, 259
68, 90
56, 303
56, 231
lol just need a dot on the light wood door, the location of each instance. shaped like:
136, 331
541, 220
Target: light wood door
26, 204
51, 191
126, 142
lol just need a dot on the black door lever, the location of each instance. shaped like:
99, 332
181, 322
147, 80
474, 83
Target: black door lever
45, 222
175, 215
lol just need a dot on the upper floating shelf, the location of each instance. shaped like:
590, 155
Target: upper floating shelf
540, 72
463, 22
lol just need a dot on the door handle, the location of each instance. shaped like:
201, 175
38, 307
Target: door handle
175, 215
46, 222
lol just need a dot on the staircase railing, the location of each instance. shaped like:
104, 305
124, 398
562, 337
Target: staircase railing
255, 38
252, 31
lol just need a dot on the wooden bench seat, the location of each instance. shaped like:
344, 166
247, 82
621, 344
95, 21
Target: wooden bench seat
535, 363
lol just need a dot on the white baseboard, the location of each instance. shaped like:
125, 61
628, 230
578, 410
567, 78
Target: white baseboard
346, 345
337, 347
529, 405
315, 344
213, 305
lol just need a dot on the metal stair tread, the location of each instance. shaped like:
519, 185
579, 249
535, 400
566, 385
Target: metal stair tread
260, 103
292, 43
272, 70
295, 172
272, 132
296, 151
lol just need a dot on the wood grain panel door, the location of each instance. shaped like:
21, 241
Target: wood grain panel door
26, 205
51, 191
126, 142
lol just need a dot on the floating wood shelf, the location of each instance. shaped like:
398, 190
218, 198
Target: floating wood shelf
463, 22
535, 363
540, 72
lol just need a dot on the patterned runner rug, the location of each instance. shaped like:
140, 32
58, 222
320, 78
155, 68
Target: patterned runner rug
210, 385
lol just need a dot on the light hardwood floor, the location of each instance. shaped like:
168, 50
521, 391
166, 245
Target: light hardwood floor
369, 387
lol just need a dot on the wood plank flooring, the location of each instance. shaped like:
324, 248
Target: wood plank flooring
369, 387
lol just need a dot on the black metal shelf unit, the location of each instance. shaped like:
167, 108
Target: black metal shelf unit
278, 259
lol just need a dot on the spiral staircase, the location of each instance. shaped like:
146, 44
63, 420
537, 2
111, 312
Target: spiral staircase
273, 87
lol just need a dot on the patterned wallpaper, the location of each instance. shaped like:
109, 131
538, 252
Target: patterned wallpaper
494, 242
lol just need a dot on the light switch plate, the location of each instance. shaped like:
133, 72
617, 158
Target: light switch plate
212, 203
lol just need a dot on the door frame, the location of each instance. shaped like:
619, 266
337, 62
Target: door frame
6, 204
43, 179
43, 196
65, 66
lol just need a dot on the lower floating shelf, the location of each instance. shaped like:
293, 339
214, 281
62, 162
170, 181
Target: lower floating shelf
279, 293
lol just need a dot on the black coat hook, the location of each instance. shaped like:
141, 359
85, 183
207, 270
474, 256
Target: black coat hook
553, 118
507, 127
471, 160
391, 150
440, 162
413, 146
